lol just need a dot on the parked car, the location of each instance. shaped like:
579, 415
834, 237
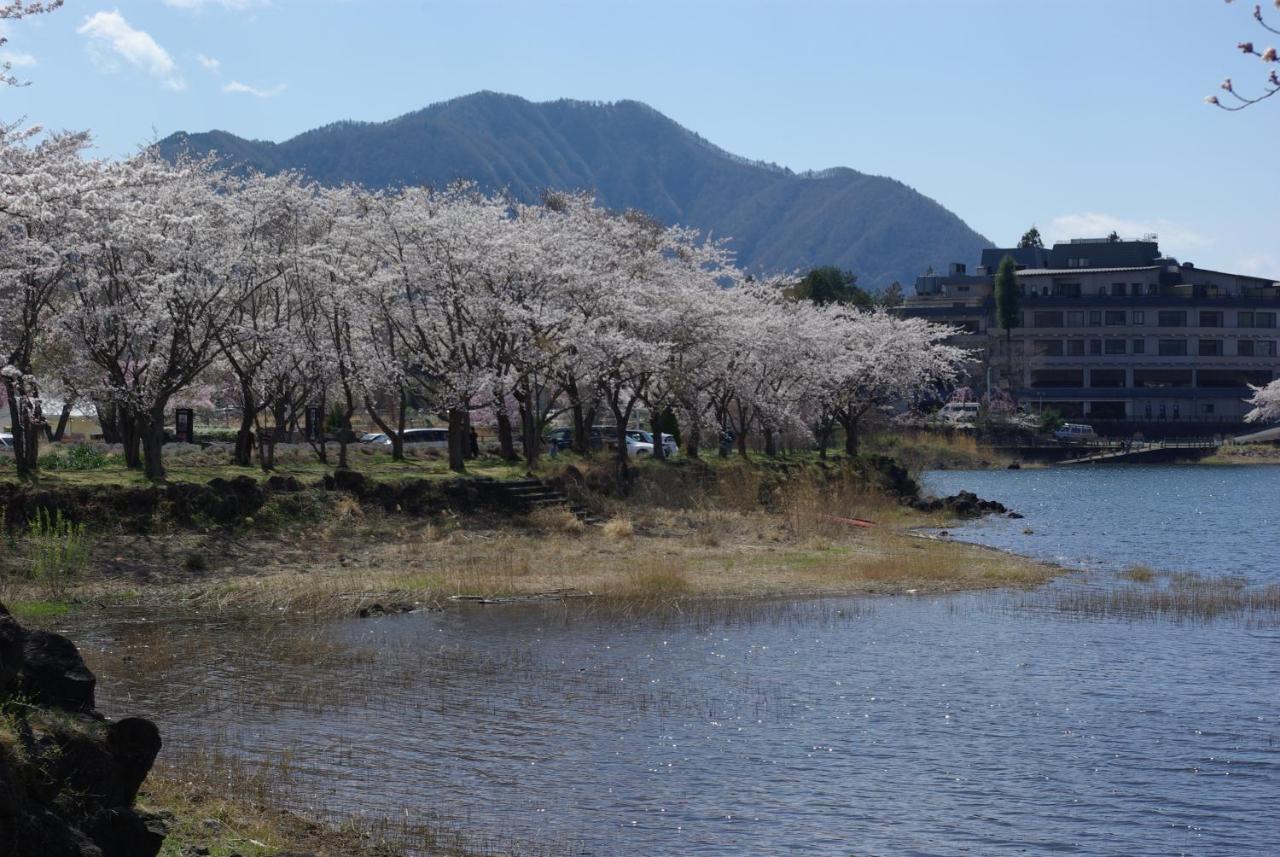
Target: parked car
636, 448
562, 438
1074, 433
6, 440
419, 438
669, 445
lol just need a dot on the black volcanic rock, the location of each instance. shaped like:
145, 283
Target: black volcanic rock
630, 156
68, 777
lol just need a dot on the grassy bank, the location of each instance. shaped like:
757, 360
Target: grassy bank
218, 809
1245, 453
725, 529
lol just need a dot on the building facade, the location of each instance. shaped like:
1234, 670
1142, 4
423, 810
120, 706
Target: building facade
1113, 332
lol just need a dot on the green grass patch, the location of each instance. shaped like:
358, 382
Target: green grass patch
34, 611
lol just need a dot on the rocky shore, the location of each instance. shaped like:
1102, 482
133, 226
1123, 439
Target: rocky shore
68, 776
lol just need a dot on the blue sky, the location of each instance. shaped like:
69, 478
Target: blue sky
1077, 116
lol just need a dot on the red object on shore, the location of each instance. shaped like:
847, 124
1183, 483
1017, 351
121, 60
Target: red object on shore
853, 522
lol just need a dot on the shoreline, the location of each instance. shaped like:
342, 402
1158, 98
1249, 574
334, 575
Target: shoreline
381, 564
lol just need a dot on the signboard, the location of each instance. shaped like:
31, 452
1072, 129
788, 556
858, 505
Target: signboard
184, 425
313, 422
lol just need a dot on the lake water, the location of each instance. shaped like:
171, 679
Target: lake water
1213, 520
983, 724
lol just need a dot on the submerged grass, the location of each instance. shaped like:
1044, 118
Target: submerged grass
1186, 596
220, 805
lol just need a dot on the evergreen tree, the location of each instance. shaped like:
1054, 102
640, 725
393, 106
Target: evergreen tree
830, 285
1007, 307
1031, 238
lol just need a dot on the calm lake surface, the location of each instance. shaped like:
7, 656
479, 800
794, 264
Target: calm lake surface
1213, 520
982, 724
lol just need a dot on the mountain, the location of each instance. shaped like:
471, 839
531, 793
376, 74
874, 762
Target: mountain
631, 156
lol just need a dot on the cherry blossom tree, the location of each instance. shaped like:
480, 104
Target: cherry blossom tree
1236, 100
1266, 403
150, 292
43, 191
13, 11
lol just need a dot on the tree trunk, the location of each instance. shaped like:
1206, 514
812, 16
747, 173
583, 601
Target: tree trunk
127, 423
850, 424
621, 416
529, 433
458, 440
150, 428
693, 436
506, 442
24, 461
823, 436
109, 420
581, 429
770, 443
1008, 352
63, 419
244, 438
395, 435
402, 417
655, 421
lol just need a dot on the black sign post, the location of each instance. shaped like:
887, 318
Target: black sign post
312, 424
184, 425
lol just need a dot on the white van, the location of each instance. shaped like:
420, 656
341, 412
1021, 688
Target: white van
1074, 433
959, 412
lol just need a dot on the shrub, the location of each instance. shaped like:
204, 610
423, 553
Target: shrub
78, 457
557, 519
57, 549
619, 529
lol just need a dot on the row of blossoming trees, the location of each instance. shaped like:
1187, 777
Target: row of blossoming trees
131, 283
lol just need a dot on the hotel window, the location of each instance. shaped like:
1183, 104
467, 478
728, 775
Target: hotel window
1114, 346
1095, 346
1114, 317
1075, 318
1264, 319
1256, 348
1049, 347
1211, 348
1244, 319
1172, 318
1139, 346
1075, 347
1210, 318
1117, 289
1095, 317
1206, 407
1173, 348
1139, 316
1048, 319
1135, 289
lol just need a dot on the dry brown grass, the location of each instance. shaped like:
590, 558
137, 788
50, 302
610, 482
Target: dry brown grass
1139, 573
618, 530
557, 519
652, 579
219, 805
359, 557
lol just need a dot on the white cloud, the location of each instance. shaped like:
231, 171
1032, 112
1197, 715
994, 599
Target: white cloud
136, 47
1174, 238
236, 86
225, 4
209, 63
17, 60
